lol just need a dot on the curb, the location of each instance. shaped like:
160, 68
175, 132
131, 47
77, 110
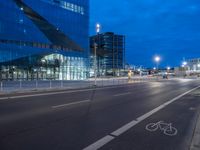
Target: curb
196, 138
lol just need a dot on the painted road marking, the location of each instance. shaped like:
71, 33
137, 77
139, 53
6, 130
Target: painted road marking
70, 104
131, 124
167, 128
98, 144
124, 128
122, 94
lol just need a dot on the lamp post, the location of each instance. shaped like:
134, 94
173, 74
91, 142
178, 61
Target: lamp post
184, 65
95, 64
157, 60
98, 26
168, 69
184, 68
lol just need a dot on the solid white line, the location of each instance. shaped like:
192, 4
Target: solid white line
69, 104
124, 128
98, 144
131, 124
122, 94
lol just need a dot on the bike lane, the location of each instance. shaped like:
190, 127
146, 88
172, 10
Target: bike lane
151, 134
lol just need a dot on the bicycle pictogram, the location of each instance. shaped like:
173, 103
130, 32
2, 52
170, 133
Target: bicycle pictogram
167, 128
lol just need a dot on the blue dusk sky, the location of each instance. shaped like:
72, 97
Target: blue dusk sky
169, 28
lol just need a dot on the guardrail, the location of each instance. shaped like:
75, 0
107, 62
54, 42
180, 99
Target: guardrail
11, 86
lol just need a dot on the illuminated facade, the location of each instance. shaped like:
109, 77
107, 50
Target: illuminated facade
193, 66
44, 39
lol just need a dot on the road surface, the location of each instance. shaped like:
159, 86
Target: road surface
108, 118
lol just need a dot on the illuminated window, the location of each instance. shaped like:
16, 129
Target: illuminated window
66, 5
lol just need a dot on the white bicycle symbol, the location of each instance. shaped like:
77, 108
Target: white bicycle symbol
165, 127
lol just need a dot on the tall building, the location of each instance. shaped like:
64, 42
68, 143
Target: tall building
110, 50
44, 39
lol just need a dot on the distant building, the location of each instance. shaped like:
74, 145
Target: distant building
189, 67
110, 50
193, 66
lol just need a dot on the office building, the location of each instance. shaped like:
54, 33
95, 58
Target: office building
44, 39
193, 66
110, 52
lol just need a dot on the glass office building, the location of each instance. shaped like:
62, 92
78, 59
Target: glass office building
110, 50
44, 39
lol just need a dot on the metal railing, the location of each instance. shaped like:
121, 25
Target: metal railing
12, 86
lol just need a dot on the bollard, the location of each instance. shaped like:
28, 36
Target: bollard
20, 84
1, 86
50, 84
61, 84
36, 84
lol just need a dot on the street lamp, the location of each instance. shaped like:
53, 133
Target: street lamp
184, 63
98, 26
168, 70
184, 66
157, 60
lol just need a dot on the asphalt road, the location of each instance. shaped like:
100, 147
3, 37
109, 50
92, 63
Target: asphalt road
109, 118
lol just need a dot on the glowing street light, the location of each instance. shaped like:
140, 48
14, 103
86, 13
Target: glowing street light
157, 60
168, 68
184, 63
98, 27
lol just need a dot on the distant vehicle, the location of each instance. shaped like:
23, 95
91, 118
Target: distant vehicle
143, 73
165, 76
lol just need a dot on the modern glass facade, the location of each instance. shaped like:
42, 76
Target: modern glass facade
44, 39
110, 50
